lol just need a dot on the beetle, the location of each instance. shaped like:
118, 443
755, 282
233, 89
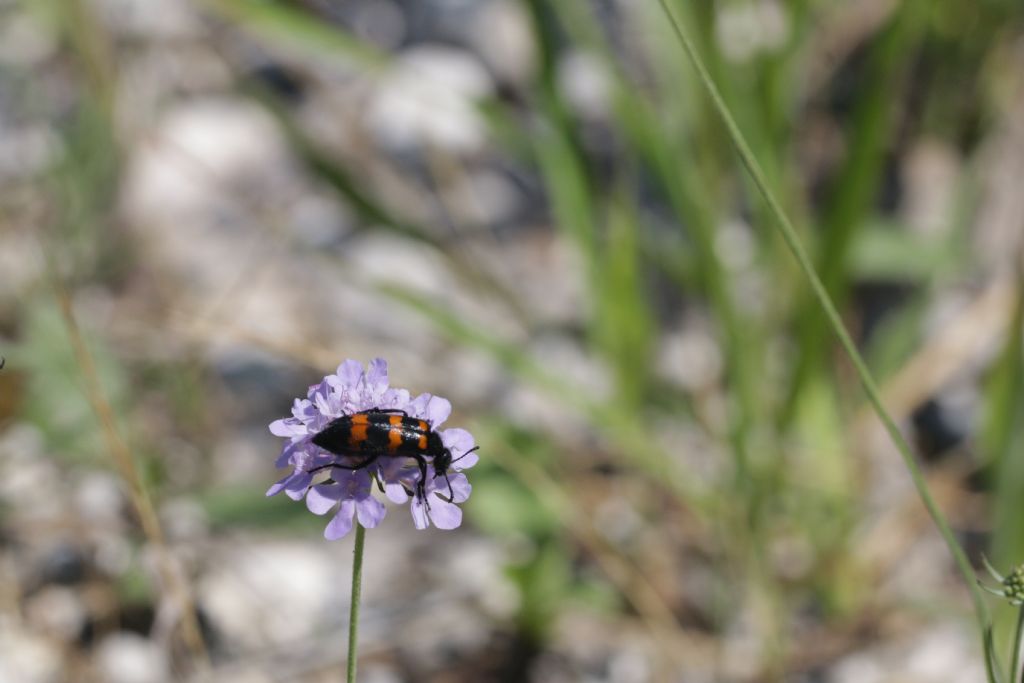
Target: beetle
379, 432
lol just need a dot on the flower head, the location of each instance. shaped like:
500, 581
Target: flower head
348, 478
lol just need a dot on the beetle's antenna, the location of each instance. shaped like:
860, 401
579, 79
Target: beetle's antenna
474, 448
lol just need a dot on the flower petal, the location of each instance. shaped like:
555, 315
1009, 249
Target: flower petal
279, 486
287, 427
457, 439
445, 515
341, 523
419, 513
460, 442
395, 493
418, 406
350, 372
323, 405
461, 488
319, 390
377, 376
322, 498
370, 511
438, 410
397, 399
296, 487
303, 410
286, 454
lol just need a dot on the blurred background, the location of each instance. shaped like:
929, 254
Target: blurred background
530, 208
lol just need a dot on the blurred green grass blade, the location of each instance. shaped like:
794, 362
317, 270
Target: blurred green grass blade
835, 321
243, 507
660, 148
850, 199
92, 45
546, 31
644, 131
621, 428
510, 355
991, 657
544, 582
897, 335
286, 24
64, 417
569, 191
1004, 391
691, 202
690, 190
506, 505
1002, 440
626, 325
333, 172
891, 253
373, 212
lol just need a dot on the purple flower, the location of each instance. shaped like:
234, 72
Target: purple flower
353, 390
352, 490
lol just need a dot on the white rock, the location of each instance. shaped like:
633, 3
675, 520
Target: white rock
184, 519
930, 175
502, 36
203, 199
130, 658
690, 357
21, 263
585, 82
944, 653
99, 498
24, 43
381, 22
161, 19
429, 98
26, 471
482, 197
27, 658
270, 593
202, 149
746, 29
57, 611
28, 150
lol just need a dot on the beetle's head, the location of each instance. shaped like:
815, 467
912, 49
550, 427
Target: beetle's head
442, 462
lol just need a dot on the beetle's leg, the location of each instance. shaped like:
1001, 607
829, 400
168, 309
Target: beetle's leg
325, 482
451, 493
421, 485
365, 463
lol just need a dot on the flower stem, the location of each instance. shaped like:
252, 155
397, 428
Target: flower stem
1015, 655
353, 613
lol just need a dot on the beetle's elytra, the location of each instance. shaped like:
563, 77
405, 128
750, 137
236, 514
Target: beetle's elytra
378, 433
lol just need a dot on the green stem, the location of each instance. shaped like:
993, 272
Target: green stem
353, 613
1015, 655
789, 234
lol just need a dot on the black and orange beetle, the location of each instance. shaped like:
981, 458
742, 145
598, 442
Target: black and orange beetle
382, 433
